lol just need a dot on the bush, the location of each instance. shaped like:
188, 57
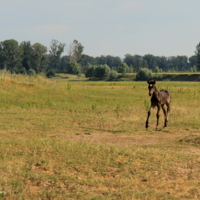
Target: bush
90, 71
144, 74
193, 69
31, 72
123, 68
102, 71
73, 68
22, 71
13, 70
157, 69
112, 75
99, 72
50, 73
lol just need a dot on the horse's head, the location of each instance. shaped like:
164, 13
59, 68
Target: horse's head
151, 87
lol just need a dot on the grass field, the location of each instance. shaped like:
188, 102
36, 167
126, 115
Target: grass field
65, 139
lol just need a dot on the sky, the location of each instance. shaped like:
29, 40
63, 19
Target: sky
106, 27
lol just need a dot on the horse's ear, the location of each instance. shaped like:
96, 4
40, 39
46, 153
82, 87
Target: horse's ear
147, 81
154, 81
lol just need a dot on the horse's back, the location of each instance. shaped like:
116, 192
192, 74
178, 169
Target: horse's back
165, 96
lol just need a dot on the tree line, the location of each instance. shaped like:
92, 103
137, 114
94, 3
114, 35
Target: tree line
27, 58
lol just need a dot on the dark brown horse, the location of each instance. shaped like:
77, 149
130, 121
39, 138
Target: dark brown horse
158, 99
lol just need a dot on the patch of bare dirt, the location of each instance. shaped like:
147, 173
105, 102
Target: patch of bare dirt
128, 140
194, 139
121, 140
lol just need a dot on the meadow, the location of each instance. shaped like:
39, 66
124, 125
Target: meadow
74, 139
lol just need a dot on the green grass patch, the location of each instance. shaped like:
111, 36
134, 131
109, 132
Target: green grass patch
63, 139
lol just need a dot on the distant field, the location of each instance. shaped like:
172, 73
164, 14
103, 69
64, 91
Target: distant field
67, 138
183, 76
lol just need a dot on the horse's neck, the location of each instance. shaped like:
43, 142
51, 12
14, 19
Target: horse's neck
156, 93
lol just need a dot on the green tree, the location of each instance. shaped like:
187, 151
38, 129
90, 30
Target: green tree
151, 61
64, 63
73, 67
11, 55
123, 68
140, 63
178, 63
182, 63
102, 71
197, 52
131, 69
162, 62
193, 69
112, 75
114, 68
171, 70
40, 58
22, 70
51, 73
2, 56
109, 60
192, 61
76, 51
90, 71
87, 66
157, 69
31, 72
27, 55
56, 49
89, 59
144, 74
131, 59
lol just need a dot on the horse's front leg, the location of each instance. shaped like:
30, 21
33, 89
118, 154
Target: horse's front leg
158, 115
148, 115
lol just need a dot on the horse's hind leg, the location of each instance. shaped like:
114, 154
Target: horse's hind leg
165, 114
168, 108
158, 115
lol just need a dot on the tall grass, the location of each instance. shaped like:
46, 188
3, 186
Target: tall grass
87, 140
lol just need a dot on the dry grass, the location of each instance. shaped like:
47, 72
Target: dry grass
63, 139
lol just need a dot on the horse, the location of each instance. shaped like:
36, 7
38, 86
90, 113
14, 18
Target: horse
158, 99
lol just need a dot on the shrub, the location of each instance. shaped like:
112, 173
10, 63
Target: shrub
123, 68
144, 74
99, 72
102, 71
22, 71
50, 73
157, 69
112, 75
73, 68
31, 72
90, 71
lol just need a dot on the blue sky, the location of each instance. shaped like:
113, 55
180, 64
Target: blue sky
106, 27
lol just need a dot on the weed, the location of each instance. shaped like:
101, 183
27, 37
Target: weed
94, 106
69, 87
